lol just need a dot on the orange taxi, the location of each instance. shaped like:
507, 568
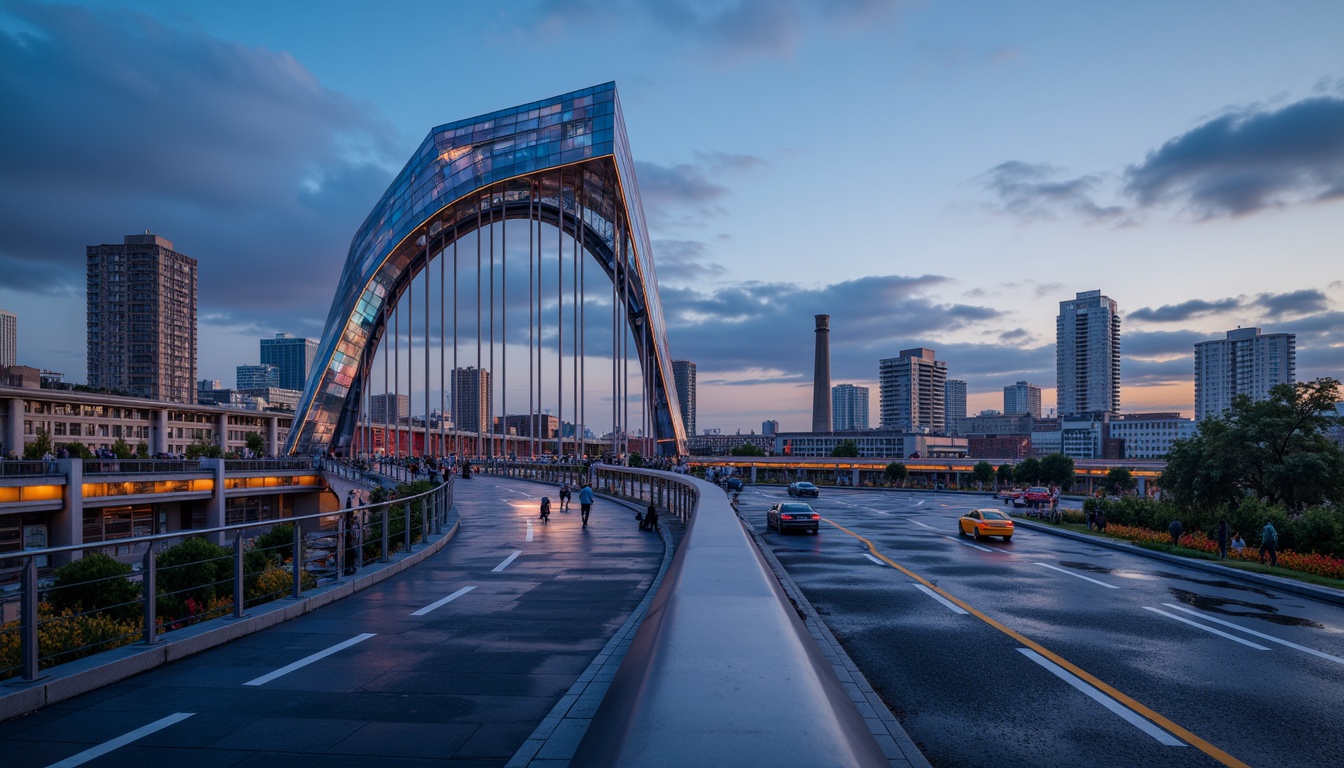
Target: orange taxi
985, 522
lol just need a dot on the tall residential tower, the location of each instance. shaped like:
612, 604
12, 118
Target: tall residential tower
1022, 398
9, 339
142, 319
292, 358
1087, 355
1247, 362
849, 407
683, 375
912, 389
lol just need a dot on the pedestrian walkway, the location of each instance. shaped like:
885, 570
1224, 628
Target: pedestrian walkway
454, 662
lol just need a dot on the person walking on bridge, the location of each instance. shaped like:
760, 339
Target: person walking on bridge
586, 502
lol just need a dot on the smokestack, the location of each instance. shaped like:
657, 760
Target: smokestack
821, 378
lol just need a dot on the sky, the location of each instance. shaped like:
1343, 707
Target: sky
929, 174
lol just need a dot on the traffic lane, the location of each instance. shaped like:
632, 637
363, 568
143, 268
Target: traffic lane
1037, 615
484, 668
962, 690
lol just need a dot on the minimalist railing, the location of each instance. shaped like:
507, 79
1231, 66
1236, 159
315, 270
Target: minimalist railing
138, 466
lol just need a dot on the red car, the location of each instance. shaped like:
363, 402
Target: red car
1037, 497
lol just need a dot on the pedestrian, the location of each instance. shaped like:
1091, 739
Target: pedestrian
586, 502
1176, 531
350, 499
1269, 542
650, 521
1238, 543
564, 496
1100, 520
1091, 518
545, 509
1222, 538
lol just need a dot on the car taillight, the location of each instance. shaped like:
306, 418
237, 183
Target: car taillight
786, 517
815, 517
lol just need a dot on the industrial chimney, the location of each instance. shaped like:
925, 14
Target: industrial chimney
821, 378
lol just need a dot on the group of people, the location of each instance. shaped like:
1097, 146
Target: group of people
1269, 540
566, 494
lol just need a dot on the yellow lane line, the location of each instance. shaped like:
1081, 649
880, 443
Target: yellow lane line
1187, 736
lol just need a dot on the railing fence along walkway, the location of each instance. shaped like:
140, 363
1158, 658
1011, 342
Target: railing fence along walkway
121, 604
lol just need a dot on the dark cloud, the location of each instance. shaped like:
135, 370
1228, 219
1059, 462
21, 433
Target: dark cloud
1160, 344
1035, 191
1279, 305
1249, 160
693, 190
685, 261
1170, 313
1143, 372
237, 154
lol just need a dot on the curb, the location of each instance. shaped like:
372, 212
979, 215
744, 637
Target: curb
78, 677
899, 749
1323, 594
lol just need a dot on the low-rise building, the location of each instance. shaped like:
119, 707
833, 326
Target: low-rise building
872, 443
1150, 435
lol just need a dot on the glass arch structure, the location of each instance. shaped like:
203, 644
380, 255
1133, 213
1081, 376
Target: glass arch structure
564, 161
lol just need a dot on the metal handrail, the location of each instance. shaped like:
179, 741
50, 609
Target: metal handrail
139, 466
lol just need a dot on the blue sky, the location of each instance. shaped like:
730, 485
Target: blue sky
936, 174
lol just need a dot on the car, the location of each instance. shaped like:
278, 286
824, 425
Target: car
1036, 496
732, 484
788, 516
980, 523
803, 488
1008, 494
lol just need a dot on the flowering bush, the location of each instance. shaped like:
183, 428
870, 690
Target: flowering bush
1320, 565
65, 636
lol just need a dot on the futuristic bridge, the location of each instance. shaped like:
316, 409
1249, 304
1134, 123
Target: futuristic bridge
563, 166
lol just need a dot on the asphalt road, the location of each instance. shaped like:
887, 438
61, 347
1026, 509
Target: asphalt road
1049, 652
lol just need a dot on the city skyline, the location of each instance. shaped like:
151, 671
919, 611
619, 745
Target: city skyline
1030, 184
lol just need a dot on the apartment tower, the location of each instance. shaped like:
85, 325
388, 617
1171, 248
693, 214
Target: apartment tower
1087, 355
683, 375
912, 389
1247, 362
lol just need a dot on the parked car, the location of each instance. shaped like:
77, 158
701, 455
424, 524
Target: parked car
1036, 496
732, 484
1008, 494
980, 523
787, 516
803, 488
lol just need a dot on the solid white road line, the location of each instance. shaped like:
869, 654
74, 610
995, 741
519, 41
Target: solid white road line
1210, 630
305, 661
921, 503
1127, 714
874, 559
916, 522
121, 741
1261, 635
969, 544
443, 601
1077, 575
951, 606
507, 560
529, 531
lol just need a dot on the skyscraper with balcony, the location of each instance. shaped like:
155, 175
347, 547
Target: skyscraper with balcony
1022, 398
912, 389
9, 339
472, 410
1087, 355
142, 319
849, 407
292, 357
1247, 362
683, 375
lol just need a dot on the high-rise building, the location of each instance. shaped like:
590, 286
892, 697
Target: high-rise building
769, 426
1022, 398
471, 400
9, 339
683, 375
257, 376
142, 319
821, 376
1247, 362
954, 404
1087, 355
911, 389
849, 407
292, 357
389, 408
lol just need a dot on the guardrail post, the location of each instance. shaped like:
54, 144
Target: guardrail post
296, 565
28, 635
149, 588
385, 534
238, 598
342, 531
406, 535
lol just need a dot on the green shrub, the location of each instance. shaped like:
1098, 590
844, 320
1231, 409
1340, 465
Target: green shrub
195, 570
63, 636
95, 582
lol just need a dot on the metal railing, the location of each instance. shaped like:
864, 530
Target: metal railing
24, 467
138, 466
298, 464
97, 603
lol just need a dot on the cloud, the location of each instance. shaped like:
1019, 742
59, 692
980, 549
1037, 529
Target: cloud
685, 261
1160, 344
1248, 160
690, 191
1034, 191
1170, 313
1304, 302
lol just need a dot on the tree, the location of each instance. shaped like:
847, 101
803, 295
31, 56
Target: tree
204, 448
1028, 470
121, 450
846, 449
984, 473
746, 449
1277, 451
1005, 473
896, 472
1119, 480
1057, 469
142, 450
78, 449
40, 446
256, 443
